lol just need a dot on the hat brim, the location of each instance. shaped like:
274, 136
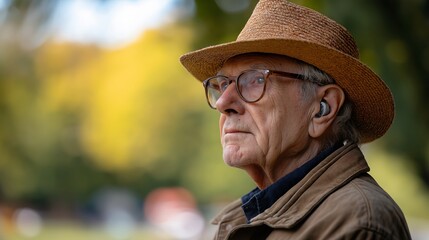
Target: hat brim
373, 105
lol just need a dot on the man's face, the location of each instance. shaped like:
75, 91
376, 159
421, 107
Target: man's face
267, 134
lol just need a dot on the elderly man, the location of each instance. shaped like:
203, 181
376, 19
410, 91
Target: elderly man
294, 103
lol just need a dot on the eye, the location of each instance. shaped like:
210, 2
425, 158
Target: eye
260, 80
223, 85
252, 78
255, 80
213, 85
218, 84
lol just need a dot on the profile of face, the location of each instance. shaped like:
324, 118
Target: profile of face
273, 135
268, 136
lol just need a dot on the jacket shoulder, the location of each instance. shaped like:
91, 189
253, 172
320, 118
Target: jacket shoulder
360, 209
363, 207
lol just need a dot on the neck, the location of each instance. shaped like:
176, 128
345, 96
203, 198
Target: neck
264, 176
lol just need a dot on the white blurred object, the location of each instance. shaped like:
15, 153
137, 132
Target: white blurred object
119, 210
119, 223
173, 211
184, 225
108, 23
28, 222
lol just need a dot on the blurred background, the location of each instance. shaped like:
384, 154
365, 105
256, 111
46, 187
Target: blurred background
103, 135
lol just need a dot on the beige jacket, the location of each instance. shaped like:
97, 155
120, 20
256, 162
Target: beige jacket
338, 199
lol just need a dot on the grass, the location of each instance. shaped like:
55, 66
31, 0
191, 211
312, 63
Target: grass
68, 230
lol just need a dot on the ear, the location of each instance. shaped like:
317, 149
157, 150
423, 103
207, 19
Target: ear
334, 96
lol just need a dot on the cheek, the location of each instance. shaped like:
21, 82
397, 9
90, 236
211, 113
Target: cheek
267, 129
276, 129
280, 123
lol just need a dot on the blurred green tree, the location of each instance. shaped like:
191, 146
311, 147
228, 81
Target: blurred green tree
76, 118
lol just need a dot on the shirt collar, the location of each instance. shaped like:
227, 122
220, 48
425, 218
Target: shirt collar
257, 201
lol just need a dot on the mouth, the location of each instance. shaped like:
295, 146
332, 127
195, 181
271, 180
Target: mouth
232, 131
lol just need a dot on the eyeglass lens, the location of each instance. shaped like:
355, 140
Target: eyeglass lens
250, 86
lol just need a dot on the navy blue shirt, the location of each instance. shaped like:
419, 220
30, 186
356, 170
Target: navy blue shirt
257, 201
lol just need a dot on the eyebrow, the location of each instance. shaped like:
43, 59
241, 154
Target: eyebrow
253, 66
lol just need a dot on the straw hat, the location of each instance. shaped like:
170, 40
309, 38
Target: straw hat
281, 27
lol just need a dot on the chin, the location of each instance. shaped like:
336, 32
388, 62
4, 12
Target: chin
230, 162
233, 156
235, 162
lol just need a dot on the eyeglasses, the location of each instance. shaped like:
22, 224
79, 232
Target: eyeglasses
250, 85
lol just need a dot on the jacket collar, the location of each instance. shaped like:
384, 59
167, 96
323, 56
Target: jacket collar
332, 173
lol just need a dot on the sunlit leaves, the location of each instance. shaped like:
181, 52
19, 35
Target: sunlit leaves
126, 98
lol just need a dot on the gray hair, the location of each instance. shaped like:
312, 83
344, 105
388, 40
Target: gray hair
343, 127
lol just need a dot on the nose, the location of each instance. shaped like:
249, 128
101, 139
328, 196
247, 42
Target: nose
230, 101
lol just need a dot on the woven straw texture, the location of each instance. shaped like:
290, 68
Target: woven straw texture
281, 27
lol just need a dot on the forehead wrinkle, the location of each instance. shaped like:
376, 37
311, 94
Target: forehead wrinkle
266, 63
260, 64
